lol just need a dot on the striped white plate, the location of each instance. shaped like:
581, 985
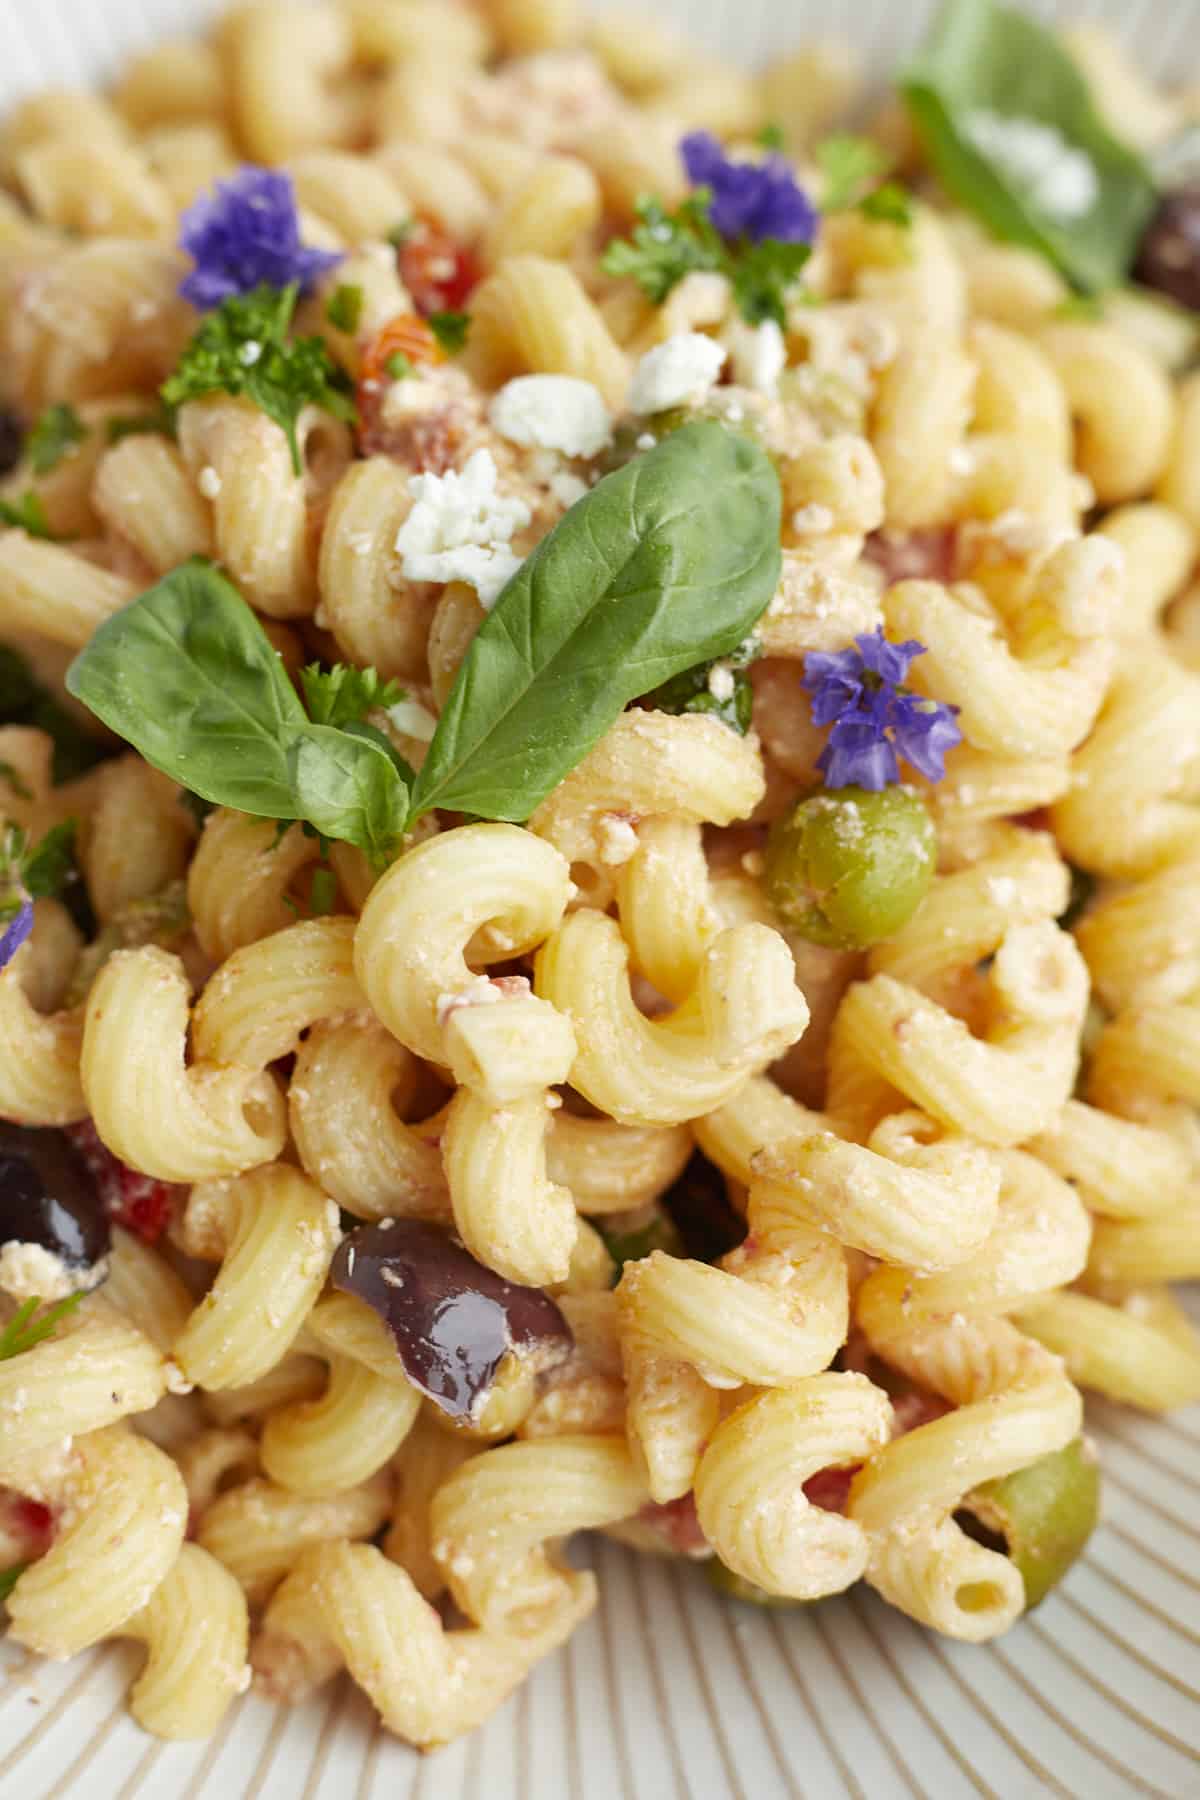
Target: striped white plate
670, 1693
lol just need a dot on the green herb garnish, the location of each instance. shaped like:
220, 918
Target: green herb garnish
668, 561
344, 308
124, 425
771, 137
342, 695
24, 1330
243, 348
322, 894
1010, 128
664, 247
720, 688
398, 365
852, 169
24, 701
29, 515
400, 233
9, 1579
56, 433
39, 871
450, 329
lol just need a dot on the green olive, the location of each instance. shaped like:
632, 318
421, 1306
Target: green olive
631, 1235
848, 868
1044, 1514
627, 440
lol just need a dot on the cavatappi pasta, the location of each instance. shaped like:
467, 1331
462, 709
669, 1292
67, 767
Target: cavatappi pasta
724, 1144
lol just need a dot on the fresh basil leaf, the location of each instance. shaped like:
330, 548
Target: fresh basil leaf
57, 432
373, 735
187, 675
348, 787
1009, 126
666, 562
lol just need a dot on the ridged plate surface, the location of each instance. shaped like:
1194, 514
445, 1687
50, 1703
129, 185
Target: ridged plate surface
668, 1693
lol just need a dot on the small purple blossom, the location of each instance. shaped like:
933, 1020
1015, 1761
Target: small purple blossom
15, 932
876, 722
749, 200
246, 232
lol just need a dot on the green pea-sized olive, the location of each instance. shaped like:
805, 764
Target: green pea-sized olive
1044, 1514
848, 868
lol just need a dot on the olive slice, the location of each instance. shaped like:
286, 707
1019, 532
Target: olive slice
453, 1320
1043, 1515
1168, 258
48, 1197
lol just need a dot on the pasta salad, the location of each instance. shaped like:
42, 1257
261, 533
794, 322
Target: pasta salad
599, 760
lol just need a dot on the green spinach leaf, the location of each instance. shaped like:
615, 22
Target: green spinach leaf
1009, 126
666, 562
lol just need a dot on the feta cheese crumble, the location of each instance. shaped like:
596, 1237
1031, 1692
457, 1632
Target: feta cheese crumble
209, 482
553, 412
721, 683
1054, 175
567, 488
677, 373
758, 352
460, 527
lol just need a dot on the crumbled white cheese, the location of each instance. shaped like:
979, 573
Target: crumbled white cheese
413, 719
646, 440
720, 681
812, 519
567, 488
29, 1270
478, 992
209, 482
459, 529
617, 838
759, 354
553, 412
1058, 178
677, 373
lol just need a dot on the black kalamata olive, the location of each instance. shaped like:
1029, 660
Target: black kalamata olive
48, 1197
454, 1321
1168, 258
12, 437
698, 1202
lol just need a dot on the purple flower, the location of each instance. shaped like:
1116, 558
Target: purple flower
749, 200
243, 233
875, 721
15, 932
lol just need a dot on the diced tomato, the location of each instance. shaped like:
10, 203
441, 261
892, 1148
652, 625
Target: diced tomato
913, 555
438, 273
830, 1488
677, 1524
138, 1202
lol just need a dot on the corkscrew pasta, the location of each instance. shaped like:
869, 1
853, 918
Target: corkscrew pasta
599, 834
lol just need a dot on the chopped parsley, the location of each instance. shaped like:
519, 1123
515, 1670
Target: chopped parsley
398, 366
58, 432
664, 247
345, 306
243, 348
720, 688
450, 329
853, 169
344, 695
27, 514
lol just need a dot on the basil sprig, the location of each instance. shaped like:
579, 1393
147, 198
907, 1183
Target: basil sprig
188, 676
667, 562
988, 63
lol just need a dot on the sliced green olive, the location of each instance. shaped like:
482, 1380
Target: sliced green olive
630, 1236
1043, 1515
848, 868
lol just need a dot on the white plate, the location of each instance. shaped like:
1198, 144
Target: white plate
669, 1693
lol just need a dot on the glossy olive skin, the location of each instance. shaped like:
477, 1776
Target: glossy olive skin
1168, 257
847, 868
1045, 1514
453, 1320
12, 438
48, 1197
736, 1587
